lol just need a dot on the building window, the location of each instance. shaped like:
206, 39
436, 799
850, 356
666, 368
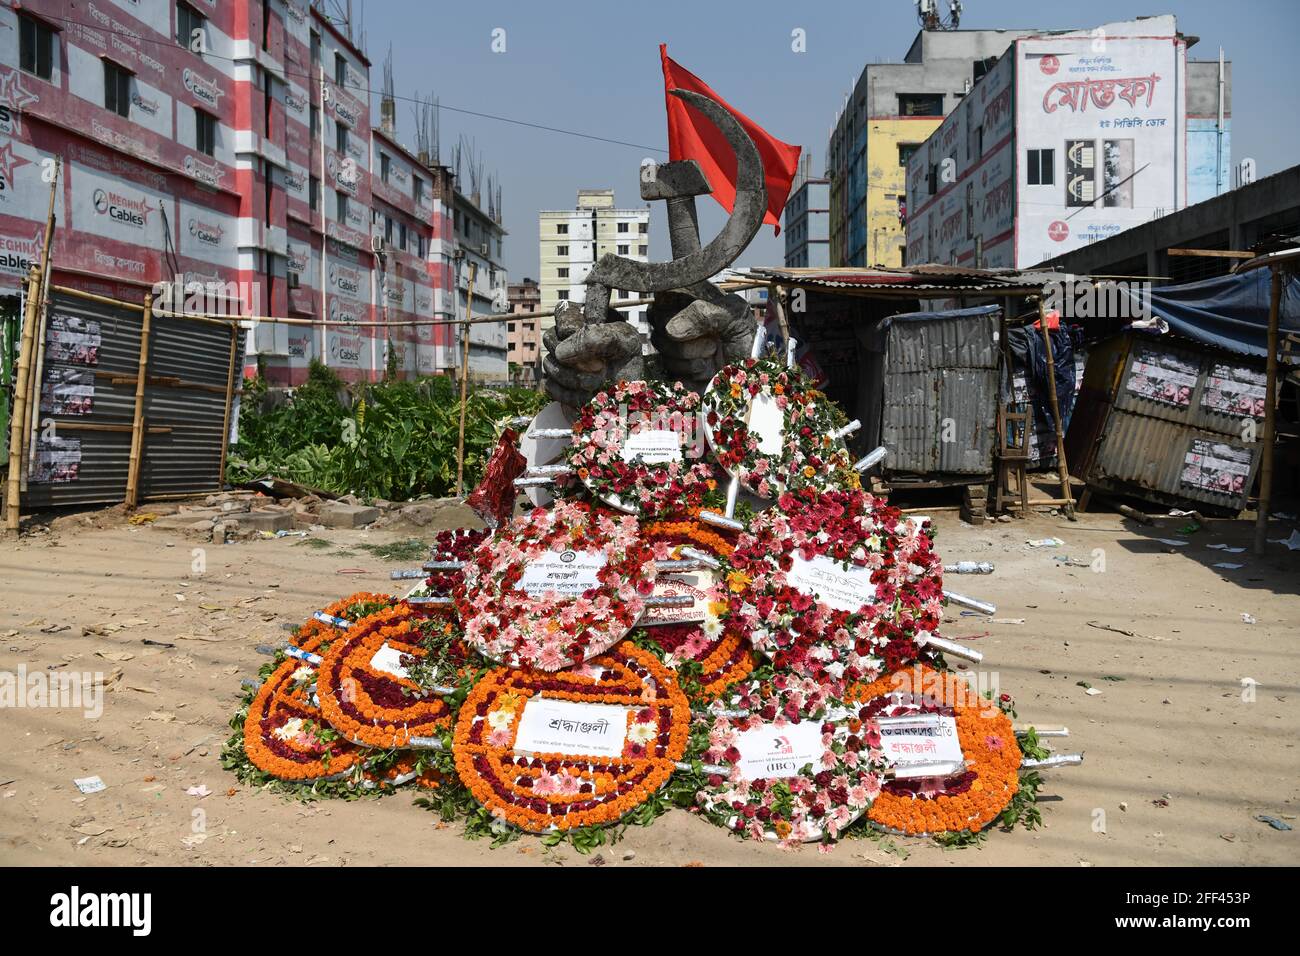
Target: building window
341, 206
421, 246
417, 189
562, 229
622, 249
315, 47
1041, 164
401, 236
340, 138
384, 162
510, 327
641, 250
36, 48
906, 151
205, 132
388, 230
643, 227
189, 21
117, 89
920, 104
340, 70
313, 192
562, 273
622, 227
561, 250
932, 180
562, 295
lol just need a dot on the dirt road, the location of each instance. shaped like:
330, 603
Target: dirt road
1179, 758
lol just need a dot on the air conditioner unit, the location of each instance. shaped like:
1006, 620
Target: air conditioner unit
483, 249
376, 244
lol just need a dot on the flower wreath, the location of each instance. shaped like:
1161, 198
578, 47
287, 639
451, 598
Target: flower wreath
707, 657
638, 486
549, 630
849, 529
814, 802
556, 791
967, 801
404, 768
284, 732
809, 456
370, 705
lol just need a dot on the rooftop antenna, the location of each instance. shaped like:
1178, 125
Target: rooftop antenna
927, 12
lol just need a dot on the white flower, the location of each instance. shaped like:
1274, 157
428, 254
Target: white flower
643, 733
500, 719
712, 627
291, 728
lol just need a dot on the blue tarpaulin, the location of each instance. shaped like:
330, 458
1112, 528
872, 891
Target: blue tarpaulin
1227, 312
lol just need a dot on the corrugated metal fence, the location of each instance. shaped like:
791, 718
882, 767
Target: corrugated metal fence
88, 404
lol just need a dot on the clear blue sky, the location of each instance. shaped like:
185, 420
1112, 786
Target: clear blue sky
593, 67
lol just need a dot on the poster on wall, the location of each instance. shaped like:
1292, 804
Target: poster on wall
1233, 390
1161, 377
68, 391
72, 340
58, 460
1216, 466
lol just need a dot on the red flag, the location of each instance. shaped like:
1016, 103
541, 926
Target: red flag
691, 136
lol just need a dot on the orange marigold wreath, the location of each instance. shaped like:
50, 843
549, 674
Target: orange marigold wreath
970, 800
369, 705
363, 601
537, 792
284, 733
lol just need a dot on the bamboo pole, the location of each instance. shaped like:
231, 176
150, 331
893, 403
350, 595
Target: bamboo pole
37, 370
464, 380
18, 417
1270, 414
137, 424
230, 400
1061, 465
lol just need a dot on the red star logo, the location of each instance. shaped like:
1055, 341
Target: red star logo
15, 96
9, 161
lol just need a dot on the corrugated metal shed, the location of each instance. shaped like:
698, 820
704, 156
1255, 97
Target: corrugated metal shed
938, 374
948, 280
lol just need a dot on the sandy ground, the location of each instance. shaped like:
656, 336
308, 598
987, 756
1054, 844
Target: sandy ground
1170, 724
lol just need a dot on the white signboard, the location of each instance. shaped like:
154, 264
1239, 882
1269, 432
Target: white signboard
921, 746
655, 446
831, 584
695, 585
767, 423
389, 660
572, 727
567, 573
770, 752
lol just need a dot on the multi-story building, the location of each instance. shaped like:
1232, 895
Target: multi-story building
524, 334
480, 238
807, 219
197, 145
572, 240
414, 262
1069, 138
892, 109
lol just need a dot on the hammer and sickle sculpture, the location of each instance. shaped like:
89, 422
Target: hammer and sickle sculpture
695, 327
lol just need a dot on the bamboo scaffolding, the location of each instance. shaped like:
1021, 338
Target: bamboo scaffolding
18, 418
137, 422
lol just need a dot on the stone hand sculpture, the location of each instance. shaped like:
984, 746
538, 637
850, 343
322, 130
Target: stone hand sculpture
695, 327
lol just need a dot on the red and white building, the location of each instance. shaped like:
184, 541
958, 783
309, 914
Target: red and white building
226, 142
1068, 139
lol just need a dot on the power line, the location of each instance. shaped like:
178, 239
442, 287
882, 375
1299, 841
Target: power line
367, 90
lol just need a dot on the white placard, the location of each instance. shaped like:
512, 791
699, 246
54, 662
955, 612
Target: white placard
767, 424
567, 573
389, 660
924, 745
572, 727
828, 582
695, 585
770, 752
655, 446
